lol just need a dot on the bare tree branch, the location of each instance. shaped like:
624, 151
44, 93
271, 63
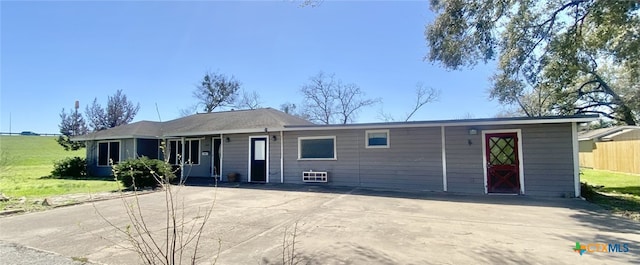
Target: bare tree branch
248, 100
424, 95
328, 100
350, 101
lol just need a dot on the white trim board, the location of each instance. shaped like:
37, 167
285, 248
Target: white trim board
366, 139
520, 157
120, 150
576, 162
281, 157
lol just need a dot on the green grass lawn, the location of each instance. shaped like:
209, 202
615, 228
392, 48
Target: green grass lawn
25, 160
618, 192
612, 182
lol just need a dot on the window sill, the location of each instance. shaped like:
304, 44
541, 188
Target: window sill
317, 159
377, 147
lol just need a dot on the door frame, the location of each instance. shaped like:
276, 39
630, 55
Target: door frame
518, 133
266, 138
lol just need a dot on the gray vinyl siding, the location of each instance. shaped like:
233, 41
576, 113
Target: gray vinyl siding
413, 160
235, 155
344, 171
202, 169
547, 159
274, 157
465, 171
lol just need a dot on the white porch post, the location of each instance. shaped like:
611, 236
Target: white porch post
182, 161
221, 154
281, 158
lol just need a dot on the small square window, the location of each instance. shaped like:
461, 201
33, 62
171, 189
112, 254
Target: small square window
377, 139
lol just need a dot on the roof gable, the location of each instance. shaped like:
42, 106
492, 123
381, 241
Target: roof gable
257, 120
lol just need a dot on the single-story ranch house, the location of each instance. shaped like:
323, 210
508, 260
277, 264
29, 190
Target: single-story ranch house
532, 156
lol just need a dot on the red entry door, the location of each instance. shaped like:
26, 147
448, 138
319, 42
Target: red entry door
503, 164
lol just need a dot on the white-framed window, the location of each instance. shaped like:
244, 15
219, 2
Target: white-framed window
108, 152
317, 148
191, 151
377, 138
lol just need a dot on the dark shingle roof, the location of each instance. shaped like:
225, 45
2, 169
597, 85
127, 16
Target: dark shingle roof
238, 121
141, 129
231, 121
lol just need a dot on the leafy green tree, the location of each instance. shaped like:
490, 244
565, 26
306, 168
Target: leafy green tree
71, 124
553, 57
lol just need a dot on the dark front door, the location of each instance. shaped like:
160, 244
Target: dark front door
216, 156
258, 159
502, 163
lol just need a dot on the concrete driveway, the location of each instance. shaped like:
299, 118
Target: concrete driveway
346, 226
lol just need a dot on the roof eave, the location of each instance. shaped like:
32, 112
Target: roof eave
235, 131
98, 138
441, 123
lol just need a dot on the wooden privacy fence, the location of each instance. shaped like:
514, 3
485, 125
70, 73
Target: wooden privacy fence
621, 156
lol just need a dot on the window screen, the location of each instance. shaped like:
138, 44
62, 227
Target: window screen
191, 150
323, 148
103, 154
194, 151
108, 152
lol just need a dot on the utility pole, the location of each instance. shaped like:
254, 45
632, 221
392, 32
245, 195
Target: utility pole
9, 123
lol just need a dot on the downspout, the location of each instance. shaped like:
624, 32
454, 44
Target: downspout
576, 163
281, 158
444, 159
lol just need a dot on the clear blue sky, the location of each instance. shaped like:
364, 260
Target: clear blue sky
53, 53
